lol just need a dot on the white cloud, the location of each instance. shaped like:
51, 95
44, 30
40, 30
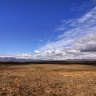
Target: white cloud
37, 52
78, 40
24, 55
57, 45
86, 44
48, 54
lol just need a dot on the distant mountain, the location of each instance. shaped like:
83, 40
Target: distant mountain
13, 59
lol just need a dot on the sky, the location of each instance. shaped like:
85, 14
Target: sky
48, 29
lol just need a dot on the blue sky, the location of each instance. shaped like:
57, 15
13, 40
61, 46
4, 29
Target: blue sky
30, 27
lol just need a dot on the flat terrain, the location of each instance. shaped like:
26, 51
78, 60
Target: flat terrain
47, 80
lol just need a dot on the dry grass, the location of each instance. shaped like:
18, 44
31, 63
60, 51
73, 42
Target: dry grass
47, 80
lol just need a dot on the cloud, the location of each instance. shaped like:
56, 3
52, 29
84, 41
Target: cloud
75, 28
80, 26
37, 52
48, 54
83, 48
58, 44
24, 55
77, 41
86, 44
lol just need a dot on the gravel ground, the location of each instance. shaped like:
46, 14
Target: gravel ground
47, 80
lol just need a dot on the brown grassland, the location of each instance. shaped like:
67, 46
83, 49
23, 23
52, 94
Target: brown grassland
47, 80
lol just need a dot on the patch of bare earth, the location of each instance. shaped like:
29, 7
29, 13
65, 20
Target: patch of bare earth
47, 80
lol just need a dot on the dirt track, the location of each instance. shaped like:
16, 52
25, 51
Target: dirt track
47, 80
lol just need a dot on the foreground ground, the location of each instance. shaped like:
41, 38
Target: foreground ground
47, 80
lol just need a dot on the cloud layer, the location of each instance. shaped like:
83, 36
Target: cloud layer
77, 41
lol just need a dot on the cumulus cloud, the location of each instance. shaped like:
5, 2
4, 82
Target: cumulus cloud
83, 48
37, 52
78, 40
48, 54
24, 55
86, 44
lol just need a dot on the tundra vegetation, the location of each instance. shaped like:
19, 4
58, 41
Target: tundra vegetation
47, 80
